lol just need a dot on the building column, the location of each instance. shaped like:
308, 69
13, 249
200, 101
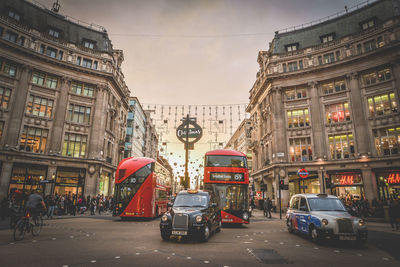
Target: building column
98, 120
51, 176
59, 116
91, 181
370, 190
17, 110
5, 177
317, 123
361, 132
321, 181
279, 130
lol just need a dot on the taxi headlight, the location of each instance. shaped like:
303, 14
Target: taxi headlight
245, 216
361, 222
250, 209
324, 221
199, 218
164, 218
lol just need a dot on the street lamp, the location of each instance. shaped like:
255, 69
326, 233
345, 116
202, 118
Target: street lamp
281, 173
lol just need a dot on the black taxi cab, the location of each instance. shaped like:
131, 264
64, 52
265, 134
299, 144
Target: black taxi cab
195, 213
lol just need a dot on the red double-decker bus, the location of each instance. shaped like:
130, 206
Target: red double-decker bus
139, 192
226, 174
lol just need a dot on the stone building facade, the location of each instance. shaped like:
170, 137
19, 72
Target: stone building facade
326, 100
136, 130
151, 139
63, 103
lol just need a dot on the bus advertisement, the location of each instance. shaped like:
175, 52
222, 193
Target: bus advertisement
226, 174
139, 192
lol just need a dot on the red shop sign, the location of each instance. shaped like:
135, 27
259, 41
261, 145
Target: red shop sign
347, 180
393, 178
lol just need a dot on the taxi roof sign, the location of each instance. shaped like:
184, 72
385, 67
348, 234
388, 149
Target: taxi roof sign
193, 191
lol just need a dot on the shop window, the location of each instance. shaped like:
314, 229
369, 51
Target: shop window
8, 68
337, 113
5, 94
43, 79
33, 139
333, 87
341, 146
298, 118
69, 181
387, 141
11, 36
82, 89
79, 114
296, 93
1, 128
370, 45
300, 149
39, 106
74, 145
27, 177
377, 76
384, 104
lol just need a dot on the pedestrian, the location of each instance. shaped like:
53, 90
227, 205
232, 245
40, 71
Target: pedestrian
268, 205
51, 205
92, 206
394, 214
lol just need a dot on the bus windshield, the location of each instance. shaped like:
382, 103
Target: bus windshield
191, 200
226, 161
232, 197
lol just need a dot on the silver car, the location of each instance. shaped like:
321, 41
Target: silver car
323, 216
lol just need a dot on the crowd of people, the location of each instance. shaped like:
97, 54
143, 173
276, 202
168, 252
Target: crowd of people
58, 204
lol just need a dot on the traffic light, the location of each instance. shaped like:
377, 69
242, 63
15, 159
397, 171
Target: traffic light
281, 184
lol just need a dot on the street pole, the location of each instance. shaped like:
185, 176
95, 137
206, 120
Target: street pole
280, 202
187, 152
323, 182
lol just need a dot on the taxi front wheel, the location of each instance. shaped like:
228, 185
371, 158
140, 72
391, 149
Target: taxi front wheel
314, 235
206, 233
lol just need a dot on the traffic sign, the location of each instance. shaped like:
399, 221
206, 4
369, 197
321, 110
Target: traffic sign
303, 173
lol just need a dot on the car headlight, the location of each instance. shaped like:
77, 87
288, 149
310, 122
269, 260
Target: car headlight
361, 222
250, 209
164, 218
324, 221
199, 218
245, 216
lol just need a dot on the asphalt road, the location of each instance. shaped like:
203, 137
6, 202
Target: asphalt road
107, 241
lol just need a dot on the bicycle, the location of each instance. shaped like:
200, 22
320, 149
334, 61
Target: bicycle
28, 224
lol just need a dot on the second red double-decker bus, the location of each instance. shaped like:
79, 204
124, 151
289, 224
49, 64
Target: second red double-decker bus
138, 190
226, 174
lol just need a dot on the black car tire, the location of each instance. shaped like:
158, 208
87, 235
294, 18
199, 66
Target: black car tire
218, 229
290, 226
314, 234
165, 236
206, 233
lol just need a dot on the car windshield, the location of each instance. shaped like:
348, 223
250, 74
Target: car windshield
191, 200
325, 204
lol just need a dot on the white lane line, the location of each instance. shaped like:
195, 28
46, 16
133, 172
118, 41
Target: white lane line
188, 258
168, 258
65, 265
297, 245
206, 262
155, 250
173, 254
137, 253
316, 248
385, 259
12, 243
34, 241
281, 243
251, 239
336, 251
53, 238
117, 257
266, 241
359, 254
93, 261
247, 242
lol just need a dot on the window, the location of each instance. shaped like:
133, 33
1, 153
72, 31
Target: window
359, 50
87, 63
368, 24
1, 31
341, 146
11, 36
82, 89
337, 55
380, 41
88, 44
51, 52
337, 113
333, 87
296, 93
78, 61
39, 106
294, 203
300, 149
79, 114
387, 141
21, 40
292, 47
44, 79
370, 45
292, 66
60, 55
33, 139
320, 60
298, 118
329, 58
284, 67
301, 64
14, 15
8, 68
1, 128
377, 76
95, 65
5, 94
42, 48
54, 33
327, 38
74, 145
382, 104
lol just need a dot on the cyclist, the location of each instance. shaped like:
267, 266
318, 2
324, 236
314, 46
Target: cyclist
35, 203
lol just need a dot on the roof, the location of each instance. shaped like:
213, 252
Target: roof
185, 192
129, 166
315, 195
225, 152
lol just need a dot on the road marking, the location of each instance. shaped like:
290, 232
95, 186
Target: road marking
206, 262
188, 258
359, 255
12, 243
137, 253
71, 236
34, 241
93, 261
65, 265
238, 236
117, 257
316, 248
281, 243
168, 258
266, 241
251, 238
53, 238
297, 245
155, 250
87, 235
336, 251
247, 242
173, 254
385, 259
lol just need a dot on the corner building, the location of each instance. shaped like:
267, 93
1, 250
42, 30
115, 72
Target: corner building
326, 100
63, 103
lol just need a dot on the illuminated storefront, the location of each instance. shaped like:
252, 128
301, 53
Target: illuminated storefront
347, 184
27, 177
310, 184
69, 181
104, 184
388, 182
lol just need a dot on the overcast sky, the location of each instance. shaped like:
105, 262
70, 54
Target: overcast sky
194, 51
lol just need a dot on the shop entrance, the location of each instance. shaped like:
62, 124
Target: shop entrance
309, 185
347, 186
388, 181
26, 177
70, 181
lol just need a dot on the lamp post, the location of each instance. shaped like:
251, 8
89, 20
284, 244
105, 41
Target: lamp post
281, 173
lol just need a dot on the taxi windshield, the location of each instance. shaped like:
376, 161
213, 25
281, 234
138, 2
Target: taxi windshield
325, 204
191, 200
